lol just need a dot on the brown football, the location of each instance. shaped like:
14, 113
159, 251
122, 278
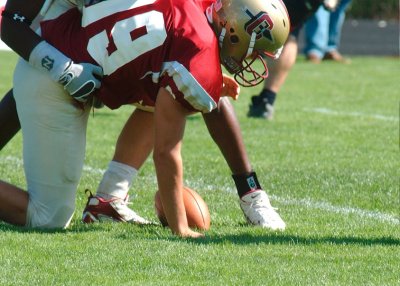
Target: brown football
197, 212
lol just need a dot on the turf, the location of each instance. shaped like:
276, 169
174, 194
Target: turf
329, 161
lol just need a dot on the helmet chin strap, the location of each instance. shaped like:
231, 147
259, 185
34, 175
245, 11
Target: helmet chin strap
221, 37
278, 53
251, 44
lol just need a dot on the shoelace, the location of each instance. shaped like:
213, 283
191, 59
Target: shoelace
128, 200
263, 204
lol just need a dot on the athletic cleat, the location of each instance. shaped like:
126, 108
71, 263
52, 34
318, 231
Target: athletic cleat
260, 108
270, 112
258, 211
99, 210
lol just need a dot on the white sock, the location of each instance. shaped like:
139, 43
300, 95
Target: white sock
116, 181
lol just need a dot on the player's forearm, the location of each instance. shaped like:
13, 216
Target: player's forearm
169, 176
169, 126
18, 35
15, 27
78, 79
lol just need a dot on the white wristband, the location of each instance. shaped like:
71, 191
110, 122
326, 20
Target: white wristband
47, 58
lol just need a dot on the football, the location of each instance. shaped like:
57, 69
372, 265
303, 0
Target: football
197, 212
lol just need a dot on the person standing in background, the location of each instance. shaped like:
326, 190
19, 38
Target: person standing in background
262, 105
323, 32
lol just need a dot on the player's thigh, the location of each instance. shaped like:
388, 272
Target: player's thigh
54, 135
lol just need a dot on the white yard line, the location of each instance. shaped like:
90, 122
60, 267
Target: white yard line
19, 163
328, 111
325, 206
305, 202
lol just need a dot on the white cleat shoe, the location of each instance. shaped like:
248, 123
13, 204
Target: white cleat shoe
99, 209
258, 211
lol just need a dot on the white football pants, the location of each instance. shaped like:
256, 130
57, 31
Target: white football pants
54, 138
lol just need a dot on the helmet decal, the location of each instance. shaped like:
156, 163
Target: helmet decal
261, 24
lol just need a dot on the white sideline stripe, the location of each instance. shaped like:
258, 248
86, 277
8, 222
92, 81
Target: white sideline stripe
354, 114
19, 163
308, 203
12, 159
338, 209
91, 170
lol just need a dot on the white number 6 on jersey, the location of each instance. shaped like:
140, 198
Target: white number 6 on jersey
130, 37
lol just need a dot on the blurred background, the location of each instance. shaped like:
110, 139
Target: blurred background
371, 28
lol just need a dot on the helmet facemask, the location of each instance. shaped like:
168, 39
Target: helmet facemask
252, 71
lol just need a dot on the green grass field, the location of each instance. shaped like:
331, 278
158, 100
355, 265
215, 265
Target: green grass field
329, 161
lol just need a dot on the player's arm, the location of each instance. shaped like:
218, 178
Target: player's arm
15, 28
78, 79
170, 120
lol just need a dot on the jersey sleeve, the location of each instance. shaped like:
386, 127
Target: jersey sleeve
192, 70
190, 87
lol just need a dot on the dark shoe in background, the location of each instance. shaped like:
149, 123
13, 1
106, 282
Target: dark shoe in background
260, 108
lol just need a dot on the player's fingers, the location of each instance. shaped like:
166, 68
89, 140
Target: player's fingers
98, 71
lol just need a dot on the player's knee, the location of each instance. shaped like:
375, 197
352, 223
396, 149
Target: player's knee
49, 217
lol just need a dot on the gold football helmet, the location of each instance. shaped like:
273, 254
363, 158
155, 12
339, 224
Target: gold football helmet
247, 30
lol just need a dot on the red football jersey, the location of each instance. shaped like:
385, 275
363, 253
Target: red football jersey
143, 45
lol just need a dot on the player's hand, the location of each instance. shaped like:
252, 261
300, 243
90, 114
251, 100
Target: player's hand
230, 87
188, 233
80, 80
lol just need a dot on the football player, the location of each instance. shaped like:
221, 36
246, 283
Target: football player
144, 47
110, 200
111, 197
